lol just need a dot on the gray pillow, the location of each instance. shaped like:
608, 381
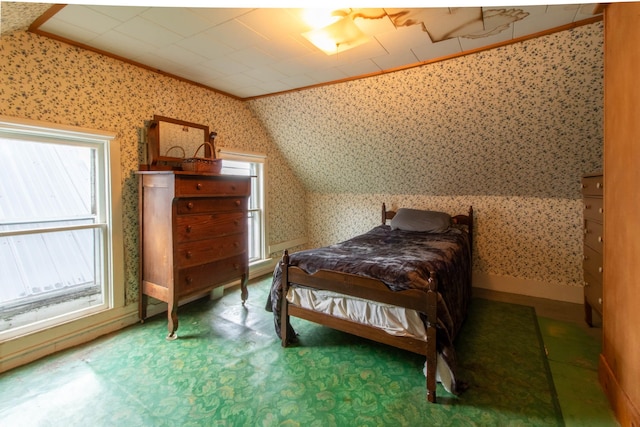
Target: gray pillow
419, 220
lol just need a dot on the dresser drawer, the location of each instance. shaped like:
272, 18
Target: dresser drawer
593, 208
592, 185
215, 204
593, 235
592, 262
195, 279
593, 291
206, 226
198, 186
204, 251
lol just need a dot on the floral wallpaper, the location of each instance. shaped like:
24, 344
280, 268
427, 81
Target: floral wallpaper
509, 130
42, 79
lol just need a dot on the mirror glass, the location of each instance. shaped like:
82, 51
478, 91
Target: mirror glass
171, 140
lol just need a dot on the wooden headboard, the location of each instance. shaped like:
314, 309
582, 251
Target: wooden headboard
458, 219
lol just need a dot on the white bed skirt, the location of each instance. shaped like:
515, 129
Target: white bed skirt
392, 319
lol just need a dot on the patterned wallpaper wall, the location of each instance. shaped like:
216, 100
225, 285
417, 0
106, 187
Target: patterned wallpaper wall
42, 79
509, 130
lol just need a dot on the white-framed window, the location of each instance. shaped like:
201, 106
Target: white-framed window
253, 165
56, 236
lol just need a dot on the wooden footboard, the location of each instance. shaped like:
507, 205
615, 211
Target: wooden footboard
370, 289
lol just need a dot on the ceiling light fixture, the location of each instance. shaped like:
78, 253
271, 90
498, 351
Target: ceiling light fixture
338, 35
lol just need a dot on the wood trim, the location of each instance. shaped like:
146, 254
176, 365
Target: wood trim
35, 28
626, 412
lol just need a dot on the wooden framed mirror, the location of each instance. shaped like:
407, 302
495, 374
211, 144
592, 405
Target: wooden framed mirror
171, 140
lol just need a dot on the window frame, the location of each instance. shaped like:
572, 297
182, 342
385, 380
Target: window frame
261, 160
108, 209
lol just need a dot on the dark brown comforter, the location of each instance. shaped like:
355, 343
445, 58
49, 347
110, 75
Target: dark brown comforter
402, 260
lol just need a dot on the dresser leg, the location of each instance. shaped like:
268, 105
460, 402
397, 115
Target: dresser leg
244, 292
172, 315
588, 313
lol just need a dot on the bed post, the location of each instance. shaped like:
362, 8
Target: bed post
432, 321
284, 319
384, 214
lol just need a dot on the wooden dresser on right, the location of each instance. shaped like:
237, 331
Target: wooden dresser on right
593, 218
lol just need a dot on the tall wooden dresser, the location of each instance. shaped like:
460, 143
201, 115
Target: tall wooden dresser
193, 236
593, 217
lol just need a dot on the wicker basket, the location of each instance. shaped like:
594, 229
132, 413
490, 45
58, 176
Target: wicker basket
202, 164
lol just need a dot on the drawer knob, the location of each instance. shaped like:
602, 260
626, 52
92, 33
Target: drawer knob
587, 207
237, 202
188, 229
600, 239
190, 205
236, 266
198, 186
586, 284
233, 187
600, 210
189, 280
189, 254
599, 185
599, 269
236, 222
236, 244
600, 301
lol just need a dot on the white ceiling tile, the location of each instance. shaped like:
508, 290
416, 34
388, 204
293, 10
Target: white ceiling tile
205, 45
235, 34
152, 60
328, 74
265, 74
87, 18
430, 51
272, 23
370, 21
181, 21
403, 38
358, 68
252, 56
121, 45
225, 66
274, 86
180, 55
147, 31
218, 15
387, 62
285, 47
586, 11
120, 13
475, 43
69, 31
300, 80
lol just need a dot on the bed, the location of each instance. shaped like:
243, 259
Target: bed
405, 284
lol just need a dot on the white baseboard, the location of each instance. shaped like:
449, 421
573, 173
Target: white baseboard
528, 287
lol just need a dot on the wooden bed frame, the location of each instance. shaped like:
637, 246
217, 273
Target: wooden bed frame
373, 290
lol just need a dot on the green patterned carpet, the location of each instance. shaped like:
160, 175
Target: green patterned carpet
227, 368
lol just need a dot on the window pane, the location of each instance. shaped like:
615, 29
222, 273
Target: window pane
43, 183
48, 271
48, 276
